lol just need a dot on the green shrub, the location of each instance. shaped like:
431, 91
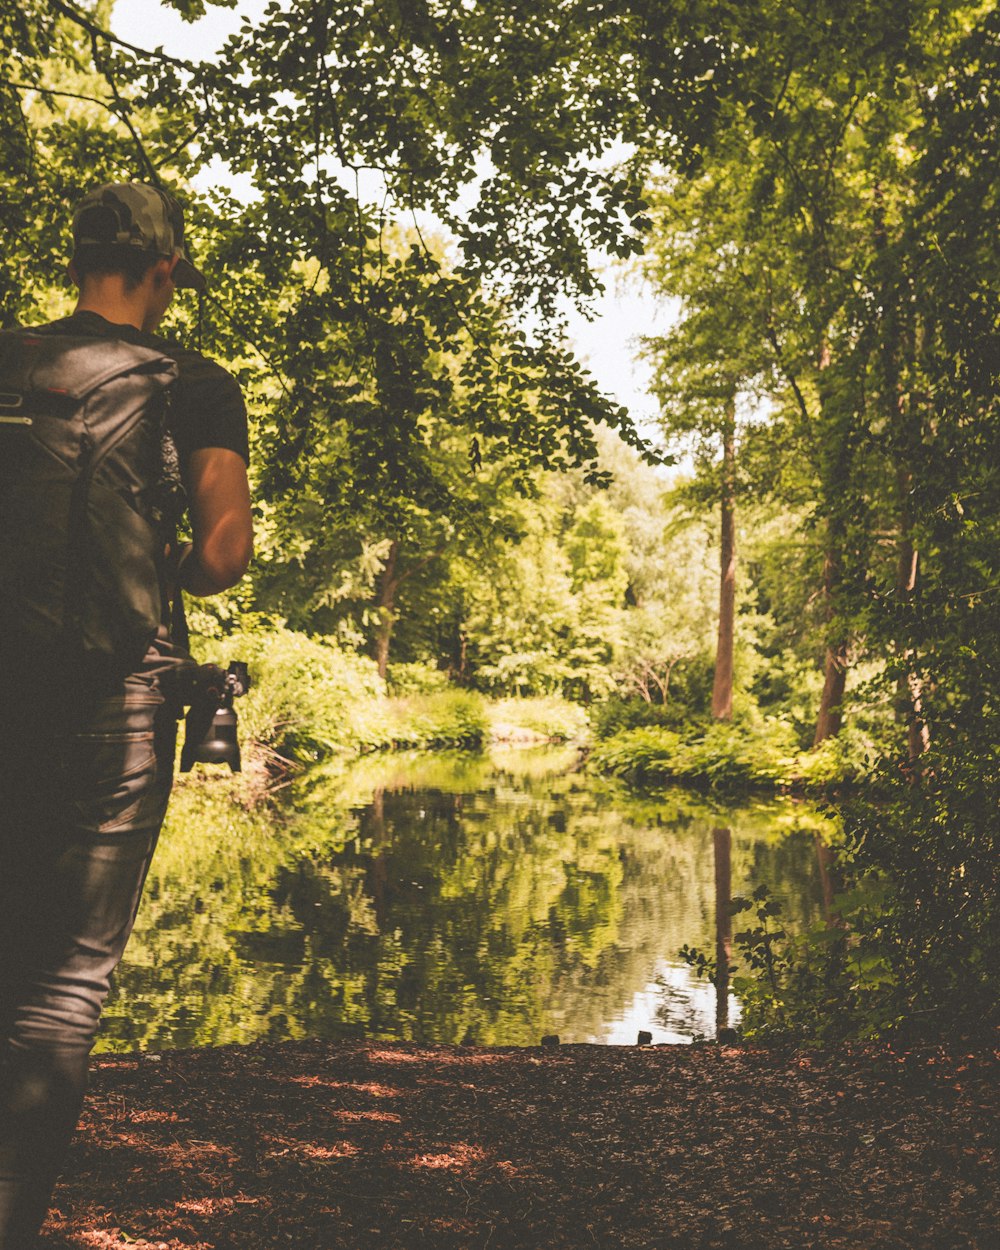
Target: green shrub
309, 698
450, 718
928, 836
734, 756
839, 761
406, 679
312, 699
691, 683
792, 986
615, 716
545, 717
719, 756
909, 947
639, 754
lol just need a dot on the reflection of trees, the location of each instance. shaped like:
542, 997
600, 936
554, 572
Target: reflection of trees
461, 898
722, 840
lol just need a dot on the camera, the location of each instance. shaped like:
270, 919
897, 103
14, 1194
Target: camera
210, 733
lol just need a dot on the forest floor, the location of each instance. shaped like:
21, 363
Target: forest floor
361, 1145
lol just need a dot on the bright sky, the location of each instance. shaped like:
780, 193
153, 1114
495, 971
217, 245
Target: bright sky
605, 345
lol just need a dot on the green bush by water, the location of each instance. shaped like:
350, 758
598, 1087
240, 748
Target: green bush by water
416, 678
446, 718
546, 718
616, 716
730, 756
312, 699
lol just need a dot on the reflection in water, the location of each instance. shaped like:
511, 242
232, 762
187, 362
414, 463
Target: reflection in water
722, 841
439, 897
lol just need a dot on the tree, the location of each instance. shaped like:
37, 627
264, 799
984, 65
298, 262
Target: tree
705, 365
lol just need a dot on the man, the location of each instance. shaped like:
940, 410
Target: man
84, 785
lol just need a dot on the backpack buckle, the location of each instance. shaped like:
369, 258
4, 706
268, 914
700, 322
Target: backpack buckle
9, 401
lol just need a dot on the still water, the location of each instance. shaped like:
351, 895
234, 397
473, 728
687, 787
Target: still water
495, 897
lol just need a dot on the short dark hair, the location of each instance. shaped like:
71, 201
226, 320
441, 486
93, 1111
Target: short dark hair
103, 259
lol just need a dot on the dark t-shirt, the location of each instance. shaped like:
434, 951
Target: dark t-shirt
207, 408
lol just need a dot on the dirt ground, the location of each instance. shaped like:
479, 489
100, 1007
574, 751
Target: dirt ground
343, 1145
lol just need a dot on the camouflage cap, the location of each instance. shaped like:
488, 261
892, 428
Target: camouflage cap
137, 215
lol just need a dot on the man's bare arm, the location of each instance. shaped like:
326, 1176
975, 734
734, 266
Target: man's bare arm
221, 522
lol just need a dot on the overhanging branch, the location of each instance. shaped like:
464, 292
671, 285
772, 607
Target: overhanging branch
98, 32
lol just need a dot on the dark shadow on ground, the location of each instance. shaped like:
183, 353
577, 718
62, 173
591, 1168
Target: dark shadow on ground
326, 1146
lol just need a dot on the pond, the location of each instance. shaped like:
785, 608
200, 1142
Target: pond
435, 898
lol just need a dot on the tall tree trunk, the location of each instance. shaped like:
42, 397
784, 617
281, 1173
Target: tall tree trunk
388, 585
722, 685
830, 715
829, 718
460, 662
722, 842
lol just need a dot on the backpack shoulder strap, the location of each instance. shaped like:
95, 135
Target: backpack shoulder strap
73, 366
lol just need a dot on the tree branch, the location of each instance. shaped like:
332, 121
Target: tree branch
122, 112
68, 95
779, 355
183, 144
98, 32
415, 568
29, 147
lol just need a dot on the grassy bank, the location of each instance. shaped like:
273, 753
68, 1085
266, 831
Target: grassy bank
312, 700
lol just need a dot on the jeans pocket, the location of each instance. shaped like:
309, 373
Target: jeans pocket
107, 776
115, 766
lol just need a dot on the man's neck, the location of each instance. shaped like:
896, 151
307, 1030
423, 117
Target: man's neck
109, 300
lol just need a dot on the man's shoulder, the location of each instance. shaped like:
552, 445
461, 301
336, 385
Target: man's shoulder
208, 408
192, 365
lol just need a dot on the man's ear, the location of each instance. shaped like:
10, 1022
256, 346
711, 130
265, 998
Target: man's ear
164, 269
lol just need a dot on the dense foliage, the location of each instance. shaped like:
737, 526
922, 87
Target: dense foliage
439, 483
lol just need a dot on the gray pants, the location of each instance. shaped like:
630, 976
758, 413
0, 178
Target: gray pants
80, 814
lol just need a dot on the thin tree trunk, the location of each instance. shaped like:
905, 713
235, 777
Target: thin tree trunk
830, 716
909, 687
722, 840
663, 684
722, 686
463, 658
896, 336
388, 585
918, 735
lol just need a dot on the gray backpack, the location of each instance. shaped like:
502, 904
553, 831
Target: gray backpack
86, 505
